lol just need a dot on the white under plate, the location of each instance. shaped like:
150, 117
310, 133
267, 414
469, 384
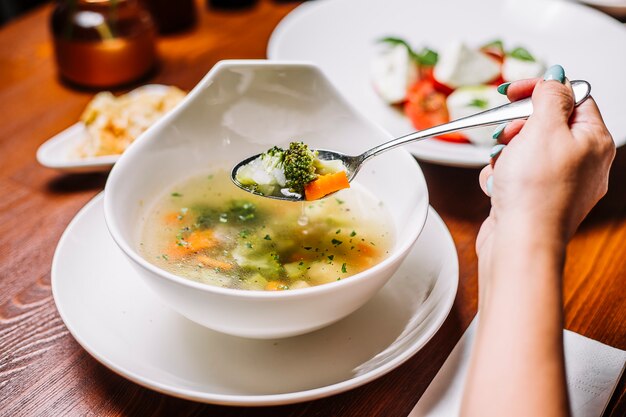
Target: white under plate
116, 318
340, 36
61, 151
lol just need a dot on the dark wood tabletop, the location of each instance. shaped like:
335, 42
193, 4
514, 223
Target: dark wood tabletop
43, 370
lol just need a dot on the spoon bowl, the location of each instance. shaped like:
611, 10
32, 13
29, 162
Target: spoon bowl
520, 109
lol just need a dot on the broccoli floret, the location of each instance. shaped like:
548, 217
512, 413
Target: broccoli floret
299, 166
242, 210
274, 155
273, 159
239, 212
264, 174
255, 253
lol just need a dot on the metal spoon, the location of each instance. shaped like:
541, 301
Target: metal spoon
520, 109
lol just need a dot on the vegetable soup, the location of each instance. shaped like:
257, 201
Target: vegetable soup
208, 230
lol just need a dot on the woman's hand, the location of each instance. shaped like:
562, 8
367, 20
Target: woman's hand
554, 167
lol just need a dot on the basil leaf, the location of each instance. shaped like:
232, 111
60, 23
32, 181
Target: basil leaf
495, 44
480, 103
521, 54
397, 41
426, 56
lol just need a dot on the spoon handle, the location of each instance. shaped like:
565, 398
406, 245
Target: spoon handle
520, 109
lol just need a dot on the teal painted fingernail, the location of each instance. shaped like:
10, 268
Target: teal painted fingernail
489, 185
495, 151
498, 131
555, 72
502, 88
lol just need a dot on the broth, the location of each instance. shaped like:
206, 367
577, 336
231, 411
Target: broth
208, 230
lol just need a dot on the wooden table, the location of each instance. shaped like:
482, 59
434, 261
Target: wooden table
43, 371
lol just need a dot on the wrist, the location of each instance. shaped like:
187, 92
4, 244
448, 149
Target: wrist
529, 238
540, 227
525, 249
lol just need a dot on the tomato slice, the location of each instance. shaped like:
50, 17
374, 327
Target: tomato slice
427, 73
497, 81
494, 53
426, 107
455, 137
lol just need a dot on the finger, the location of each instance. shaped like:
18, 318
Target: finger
553, 99
508, 131
519, 89
483, 179
587, 118
587, 113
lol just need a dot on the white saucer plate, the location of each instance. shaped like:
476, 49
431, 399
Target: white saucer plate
340, 36
116, 318
61, 152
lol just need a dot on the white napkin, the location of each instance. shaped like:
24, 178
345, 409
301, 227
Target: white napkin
592, 368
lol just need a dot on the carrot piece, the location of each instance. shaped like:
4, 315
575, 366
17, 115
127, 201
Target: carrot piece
213, 263
177, 251
365, 249
200, 239
172, 218
275, 286
302, 256
196, 241
326, 184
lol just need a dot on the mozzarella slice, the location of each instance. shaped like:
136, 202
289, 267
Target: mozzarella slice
514, 69
466, 101
393, 72
459, 65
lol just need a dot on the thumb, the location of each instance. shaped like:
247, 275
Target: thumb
553, 98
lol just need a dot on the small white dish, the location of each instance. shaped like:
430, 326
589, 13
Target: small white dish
340, 37
113, 315
242, 108
61, 151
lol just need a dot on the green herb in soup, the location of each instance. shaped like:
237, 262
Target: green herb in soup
210, 231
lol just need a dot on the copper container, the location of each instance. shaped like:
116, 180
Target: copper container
103, 43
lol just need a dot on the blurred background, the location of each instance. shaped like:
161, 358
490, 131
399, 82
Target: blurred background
10, 9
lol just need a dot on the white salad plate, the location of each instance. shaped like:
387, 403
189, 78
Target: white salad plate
61, 152
340, 36
615, 8
121, 323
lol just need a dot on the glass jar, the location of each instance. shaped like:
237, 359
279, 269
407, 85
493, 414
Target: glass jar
103, 43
